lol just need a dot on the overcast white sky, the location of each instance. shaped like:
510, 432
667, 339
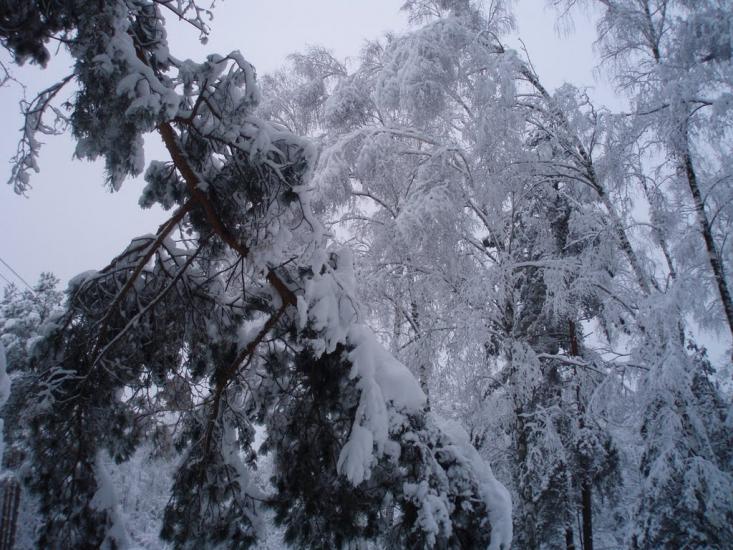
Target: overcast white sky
70, 223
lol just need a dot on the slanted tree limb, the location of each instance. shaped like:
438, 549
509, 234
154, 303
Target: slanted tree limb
152, 303
192, 183
225, 376
163, 232
716, 262
575, 147
288, 297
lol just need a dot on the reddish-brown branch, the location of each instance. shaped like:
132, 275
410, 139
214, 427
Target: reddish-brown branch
225, 376
287, 296
192, 183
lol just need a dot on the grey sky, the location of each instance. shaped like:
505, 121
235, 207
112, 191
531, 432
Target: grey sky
71, 223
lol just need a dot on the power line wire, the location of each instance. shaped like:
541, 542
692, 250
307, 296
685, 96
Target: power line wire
6, 264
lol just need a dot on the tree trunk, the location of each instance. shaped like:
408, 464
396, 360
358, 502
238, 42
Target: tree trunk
574, 146
625, 244
586, 490
9, 515
587, 512
528, 521
716, 263
569, 539
423, 369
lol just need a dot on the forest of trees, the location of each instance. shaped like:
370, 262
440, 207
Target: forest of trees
416, 299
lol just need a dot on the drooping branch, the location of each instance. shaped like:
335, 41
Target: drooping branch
24, 160
132, 322
163, 233
224, 376
288, 297
199, 197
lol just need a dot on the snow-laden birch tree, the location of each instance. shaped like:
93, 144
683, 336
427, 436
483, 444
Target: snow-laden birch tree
484, 237
506, 261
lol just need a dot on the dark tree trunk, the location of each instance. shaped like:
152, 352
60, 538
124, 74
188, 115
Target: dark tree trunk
423, 374
587, 511
528, 522
716, 263
9, 514
569, 539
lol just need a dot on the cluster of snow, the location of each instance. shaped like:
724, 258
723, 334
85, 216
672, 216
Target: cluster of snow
329, 307
106, 499
497, 498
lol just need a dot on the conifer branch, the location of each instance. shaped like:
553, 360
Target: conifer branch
163, 232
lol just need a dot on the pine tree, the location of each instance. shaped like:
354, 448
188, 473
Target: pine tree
237, 310
23, 313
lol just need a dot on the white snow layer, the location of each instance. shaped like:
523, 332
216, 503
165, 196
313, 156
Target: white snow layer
381, 379
105, 499
495, 495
